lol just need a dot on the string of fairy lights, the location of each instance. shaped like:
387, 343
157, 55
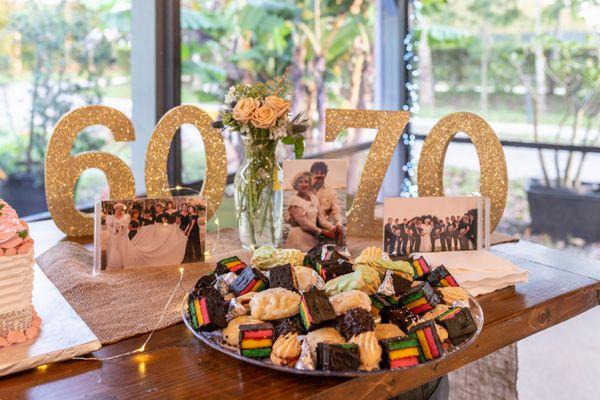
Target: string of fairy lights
411, 62
165, 309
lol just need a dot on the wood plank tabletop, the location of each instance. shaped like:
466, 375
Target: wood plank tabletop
177, 365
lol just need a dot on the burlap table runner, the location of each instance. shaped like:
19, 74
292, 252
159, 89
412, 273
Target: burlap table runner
126, 303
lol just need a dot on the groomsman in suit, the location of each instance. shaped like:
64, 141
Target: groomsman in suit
442, 234
389, 237
403, 240
416, 237
448, 234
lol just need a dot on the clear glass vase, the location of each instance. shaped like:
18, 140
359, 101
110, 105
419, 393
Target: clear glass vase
258, 195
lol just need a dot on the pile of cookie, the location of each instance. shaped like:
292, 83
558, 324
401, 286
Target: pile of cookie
320, 310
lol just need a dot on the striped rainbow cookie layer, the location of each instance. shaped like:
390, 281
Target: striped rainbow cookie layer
402, 352
449, 314
421, 267
199, 312
417, 303
429, 341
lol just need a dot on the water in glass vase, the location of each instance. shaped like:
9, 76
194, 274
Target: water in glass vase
258, 195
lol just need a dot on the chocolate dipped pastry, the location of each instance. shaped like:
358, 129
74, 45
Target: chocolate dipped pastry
420, 299
249, 280
400, 352
315, 309
354, 322
338, 357
401, 317
230, 264
459, 323
207, 312
288, 325
441, 277
431, 345
344, 301
283, 276
256, 340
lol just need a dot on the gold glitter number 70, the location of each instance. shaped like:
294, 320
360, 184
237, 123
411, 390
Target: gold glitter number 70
62, 170
389, 125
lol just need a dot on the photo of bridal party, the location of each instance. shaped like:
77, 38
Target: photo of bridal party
151, 232
314, 206
428, 224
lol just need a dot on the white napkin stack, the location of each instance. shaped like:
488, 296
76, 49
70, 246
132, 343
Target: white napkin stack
477, 271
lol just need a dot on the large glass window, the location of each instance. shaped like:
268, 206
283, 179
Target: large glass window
325, 48
55, 56
531, 69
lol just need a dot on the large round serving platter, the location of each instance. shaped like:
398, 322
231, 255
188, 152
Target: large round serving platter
215, 341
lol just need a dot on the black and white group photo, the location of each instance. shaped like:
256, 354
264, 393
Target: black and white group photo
314, 205
151, 232
419, 225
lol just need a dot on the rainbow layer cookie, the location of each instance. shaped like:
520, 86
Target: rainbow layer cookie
333, 270
230, 264
315, 309
459, 323
256, 340
382, 303
400, 352
249, 280
420, 299
283, 276
207, 313
426, 334
331, 254
441, 277
420, 267
338, 357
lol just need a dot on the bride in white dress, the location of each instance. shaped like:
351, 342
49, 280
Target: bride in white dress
118, 236
303, 214
425, 234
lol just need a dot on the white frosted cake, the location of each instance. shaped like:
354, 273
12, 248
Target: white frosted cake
18, 320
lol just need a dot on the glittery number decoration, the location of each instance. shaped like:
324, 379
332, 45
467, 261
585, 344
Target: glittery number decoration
494, 178
62, 170
157, 182
390, 124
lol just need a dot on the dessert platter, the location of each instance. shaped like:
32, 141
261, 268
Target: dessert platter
321, 313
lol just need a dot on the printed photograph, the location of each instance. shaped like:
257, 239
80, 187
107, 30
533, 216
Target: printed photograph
426, 224
314, 203
150, 232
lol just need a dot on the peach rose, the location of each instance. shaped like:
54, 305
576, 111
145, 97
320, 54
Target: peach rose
244, 109
264, 117
279, 105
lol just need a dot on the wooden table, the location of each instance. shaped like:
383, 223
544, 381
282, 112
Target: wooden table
178, 366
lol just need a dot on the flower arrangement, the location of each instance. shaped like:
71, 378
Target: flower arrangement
261, 113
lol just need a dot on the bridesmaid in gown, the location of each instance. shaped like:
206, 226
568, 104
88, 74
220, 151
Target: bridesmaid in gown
303, 215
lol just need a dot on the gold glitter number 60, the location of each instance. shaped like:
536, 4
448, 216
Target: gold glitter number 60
62, 170
389, 125
157, 155
494, 178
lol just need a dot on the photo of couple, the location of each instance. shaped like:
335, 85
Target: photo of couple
151, 232
440, 224
314, 203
